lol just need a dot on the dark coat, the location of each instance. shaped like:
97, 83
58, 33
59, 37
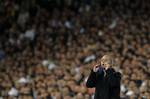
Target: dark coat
107, 87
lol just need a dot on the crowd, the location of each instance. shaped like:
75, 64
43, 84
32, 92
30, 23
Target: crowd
47, 51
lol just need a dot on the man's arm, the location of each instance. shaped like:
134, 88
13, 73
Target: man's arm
115, 79
91, 81
96, 73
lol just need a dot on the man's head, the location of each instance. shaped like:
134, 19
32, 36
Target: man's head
107, 61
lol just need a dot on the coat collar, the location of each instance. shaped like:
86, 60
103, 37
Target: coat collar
110, 71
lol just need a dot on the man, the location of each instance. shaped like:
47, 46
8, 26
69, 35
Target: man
105, 79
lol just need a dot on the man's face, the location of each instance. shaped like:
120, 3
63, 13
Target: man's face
106, 62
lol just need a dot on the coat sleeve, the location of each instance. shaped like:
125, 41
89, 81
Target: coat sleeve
91, 81
115, 79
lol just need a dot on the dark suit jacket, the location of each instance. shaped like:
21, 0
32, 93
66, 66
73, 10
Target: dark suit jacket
107, 87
